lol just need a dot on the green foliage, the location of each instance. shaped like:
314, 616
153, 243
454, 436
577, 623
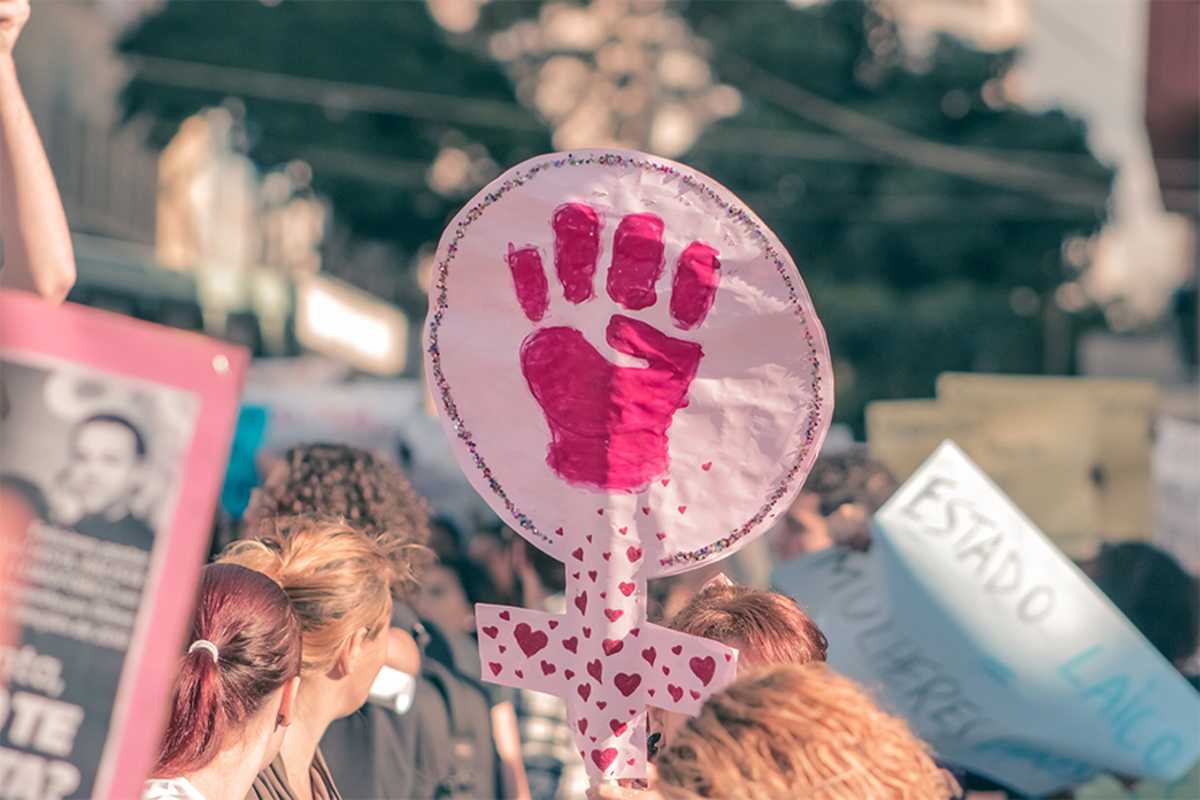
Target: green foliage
911, 267
911, 237
369, 149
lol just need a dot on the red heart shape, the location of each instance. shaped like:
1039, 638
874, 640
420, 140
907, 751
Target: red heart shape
601, 704
502, 648
504, 615
676, 692
607, 556
661, 536
577, 554
650, 654
587, 633
623, 531
604, 758
494, 667
695, 694
631, 761
559, 531
603, 595
635, 631
589, 538
666, 481
666, 670
682, 509
627, 587
703, 668
677, 649
581, 602
569, 673
592, 574
596, 670
651, 692
575, 575
646, 510
706, 466
600, 511
530, 641
548, 668
633, 554
618, 727
632, 712
583, 723
611, 646
491, 631
613, 614
627, 684
520, 674
553, 624
571, 644
585, 690
728, 657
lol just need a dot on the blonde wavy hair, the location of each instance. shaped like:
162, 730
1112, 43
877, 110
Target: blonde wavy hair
340, 581
791, 732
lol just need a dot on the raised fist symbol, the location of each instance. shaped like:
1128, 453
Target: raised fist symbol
608, 423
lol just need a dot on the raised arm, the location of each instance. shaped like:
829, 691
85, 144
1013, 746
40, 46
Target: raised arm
37, 255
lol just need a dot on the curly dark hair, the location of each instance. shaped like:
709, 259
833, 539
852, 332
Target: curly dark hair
850, 477
372, 495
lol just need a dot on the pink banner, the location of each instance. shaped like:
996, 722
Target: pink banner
115, 434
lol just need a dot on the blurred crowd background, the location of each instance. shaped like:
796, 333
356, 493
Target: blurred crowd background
1002, 186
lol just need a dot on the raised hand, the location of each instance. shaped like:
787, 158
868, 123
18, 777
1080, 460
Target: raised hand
608, 423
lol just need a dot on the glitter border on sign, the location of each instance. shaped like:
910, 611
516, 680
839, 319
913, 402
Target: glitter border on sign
733, 213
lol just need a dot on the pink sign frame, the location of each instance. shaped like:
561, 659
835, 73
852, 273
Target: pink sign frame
212, 372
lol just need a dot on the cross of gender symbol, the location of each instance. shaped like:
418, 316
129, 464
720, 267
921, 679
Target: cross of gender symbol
632, 375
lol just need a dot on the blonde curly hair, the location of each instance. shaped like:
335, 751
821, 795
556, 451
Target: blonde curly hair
339, 580
792, 732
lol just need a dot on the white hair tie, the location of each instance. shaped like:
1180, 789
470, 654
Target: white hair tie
205, 644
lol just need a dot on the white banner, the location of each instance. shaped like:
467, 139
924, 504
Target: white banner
965, 619
1177, 490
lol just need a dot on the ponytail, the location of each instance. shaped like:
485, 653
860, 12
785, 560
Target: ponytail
248, 619
340, 580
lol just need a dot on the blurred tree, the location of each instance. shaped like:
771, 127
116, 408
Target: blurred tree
938, 224
927, 211
398, 124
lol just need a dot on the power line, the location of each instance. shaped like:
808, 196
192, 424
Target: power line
333, 95
932, 155
865, 139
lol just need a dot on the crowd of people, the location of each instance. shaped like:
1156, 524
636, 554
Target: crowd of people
332, 655
331, 652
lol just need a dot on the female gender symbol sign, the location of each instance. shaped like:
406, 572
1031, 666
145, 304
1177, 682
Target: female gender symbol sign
632, 375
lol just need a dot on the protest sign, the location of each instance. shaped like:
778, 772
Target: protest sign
1043, 457
632, 375
114, 433
994, 646
1125, 410
1177, 490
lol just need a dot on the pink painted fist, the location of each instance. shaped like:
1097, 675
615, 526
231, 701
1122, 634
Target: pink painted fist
614, 438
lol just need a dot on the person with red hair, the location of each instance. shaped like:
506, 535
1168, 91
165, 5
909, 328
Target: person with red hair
767, 628
235, 689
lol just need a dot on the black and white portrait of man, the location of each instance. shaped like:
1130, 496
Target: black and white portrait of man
105, 473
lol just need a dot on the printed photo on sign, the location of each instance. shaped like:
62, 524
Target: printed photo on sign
95, 458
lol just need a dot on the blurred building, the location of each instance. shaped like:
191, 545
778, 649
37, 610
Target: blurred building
1172, 111
196, 236
1119, 66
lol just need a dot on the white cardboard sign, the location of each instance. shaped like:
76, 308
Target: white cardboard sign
632, 374
995, 647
